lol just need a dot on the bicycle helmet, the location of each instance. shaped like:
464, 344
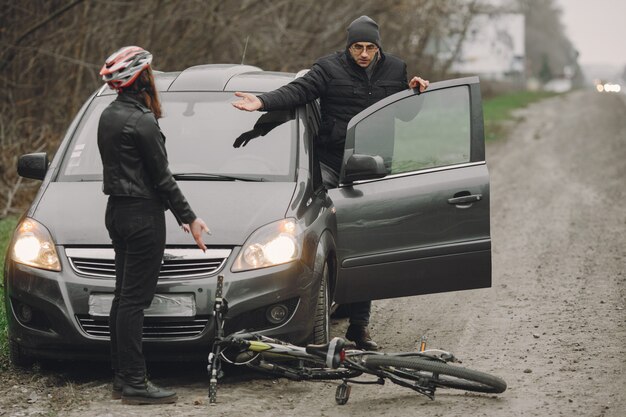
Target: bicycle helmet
123, 67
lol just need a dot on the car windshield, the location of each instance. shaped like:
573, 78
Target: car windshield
201, 130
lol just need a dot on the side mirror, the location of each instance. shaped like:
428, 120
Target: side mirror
364, 167
33, 165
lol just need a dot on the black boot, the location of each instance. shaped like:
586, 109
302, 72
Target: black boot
118, 385
361, 337
139, 390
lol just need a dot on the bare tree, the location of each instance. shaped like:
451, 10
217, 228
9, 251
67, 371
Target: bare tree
52, 51
548, 50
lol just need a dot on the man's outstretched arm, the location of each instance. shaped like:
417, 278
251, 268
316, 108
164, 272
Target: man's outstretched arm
248, 102
300, 91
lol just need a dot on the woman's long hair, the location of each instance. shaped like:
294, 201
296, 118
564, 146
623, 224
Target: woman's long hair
145, 88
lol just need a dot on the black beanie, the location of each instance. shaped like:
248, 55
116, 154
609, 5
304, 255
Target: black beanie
363, 29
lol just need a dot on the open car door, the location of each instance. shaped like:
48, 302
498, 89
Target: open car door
413, 201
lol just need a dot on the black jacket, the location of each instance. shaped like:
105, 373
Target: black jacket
344, 90
134, 159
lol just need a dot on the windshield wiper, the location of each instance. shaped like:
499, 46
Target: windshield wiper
214, 177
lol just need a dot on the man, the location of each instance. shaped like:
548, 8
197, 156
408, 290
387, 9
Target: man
346, 83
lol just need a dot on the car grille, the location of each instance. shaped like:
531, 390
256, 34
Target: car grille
177, 263
152, 329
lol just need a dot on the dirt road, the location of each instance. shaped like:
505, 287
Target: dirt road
553, 325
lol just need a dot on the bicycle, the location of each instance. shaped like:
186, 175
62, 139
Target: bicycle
423, 371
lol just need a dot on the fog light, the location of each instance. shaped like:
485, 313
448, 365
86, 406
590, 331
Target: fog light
277, 314
25, 313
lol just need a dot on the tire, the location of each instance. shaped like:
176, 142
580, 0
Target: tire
17, 357
440, 373
321, 327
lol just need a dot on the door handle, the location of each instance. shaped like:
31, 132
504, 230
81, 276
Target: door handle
465, 199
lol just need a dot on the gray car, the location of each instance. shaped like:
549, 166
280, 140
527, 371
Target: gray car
411, 216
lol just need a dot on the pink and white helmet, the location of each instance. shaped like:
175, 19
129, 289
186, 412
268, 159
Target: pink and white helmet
123, 67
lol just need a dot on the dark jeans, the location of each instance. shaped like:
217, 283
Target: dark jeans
137, 229
359, 313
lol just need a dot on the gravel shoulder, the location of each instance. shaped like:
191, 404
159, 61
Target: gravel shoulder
553, 325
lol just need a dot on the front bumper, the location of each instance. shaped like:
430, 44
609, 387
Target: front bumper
59, 324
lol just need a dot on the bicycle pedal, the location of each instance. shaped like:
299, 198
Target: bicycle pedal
343, 393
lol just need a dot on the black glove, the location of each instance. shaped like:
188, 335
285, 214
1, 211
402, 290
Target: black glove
246, 137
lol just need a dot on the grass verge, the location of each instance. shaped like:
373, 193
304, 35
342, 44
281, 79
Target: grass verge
7, 226
498, 111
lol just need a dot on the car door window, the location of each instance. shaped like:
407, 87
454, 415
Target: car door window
419, 132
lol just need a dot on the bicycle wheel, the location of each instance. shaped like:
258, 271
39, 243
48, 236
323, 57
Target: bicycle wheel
439, 373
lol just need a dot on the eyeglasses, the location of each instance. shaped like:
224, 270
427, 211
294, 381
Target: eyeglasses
358, 48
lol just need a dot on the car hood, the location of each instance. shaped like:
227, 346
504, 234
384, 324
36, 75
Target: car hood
74, 212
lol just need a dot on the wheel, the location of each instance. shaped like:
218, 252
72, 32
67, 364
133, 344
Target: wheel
439, 373
17, 357
321, 327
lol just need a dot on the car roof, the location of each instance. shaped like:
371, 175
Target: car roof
218, 77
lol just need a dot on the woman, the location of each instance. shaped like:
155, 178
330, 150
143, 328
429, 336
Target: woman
140, 187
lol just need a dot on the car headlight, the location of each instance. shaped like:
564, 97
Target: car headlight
33, 246
273, 244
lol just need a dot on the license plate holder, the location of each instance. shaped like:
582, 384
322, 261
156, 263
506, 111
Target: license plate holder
163, 305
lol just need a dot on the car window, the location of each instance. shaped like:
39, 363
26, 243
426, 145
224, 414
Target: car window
201, 129
419, 132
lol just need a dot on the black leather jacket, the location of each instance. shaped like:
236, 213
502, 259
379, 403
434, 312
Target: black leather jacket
344, 89
134, 159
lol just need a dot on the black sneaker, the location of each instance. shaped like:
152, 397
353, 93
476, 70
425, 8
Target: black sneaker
361, 337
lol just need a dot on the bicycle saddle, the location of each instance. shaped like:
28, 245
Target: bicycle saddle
332, 351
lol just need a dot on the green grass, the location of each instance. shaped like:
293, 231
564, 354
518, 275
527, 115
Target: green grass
498, 110
7, 226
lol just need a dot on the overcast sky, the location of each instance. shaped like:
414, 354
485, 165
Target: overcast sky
597, 28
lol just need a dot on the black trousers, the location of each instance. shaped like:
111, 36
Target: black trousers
137, 229
359, 313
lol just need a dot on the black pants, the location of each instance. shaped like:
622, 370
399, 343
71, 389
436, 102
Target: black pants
137, 229
359, 313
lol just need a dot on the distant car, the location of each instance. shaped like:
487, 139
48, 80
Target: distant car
608, 87
411, 216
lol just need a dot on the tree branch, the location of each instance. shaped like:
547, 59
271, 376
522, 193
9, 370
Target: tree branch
11, 51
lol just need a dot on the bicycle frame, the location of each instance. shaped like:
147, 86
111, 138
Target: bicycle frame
419, 371
259, 343
266, 345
